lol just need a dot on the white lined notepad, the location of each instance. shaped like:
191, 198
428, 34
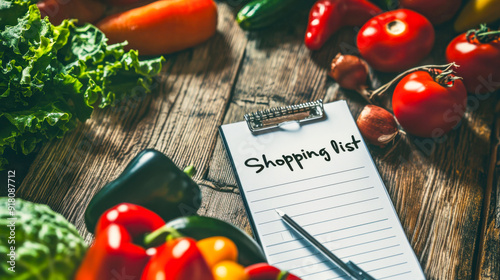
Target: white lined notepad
323, 176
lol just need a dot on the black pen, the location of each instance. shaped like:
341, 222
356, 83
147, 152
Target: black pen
349, 268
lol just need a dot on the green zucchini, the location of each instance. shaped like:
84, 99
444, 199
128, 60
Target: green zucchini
198, 227
262, 13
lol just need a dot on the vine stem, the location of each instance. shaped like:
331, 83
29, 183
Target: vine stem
495, 32
371, 95
483, 35
429, 68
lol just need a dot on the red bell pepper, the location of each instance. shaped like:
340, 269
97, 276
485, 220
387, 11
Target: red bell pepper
113, 254
264, 271
136, 219
328, 16
177, 259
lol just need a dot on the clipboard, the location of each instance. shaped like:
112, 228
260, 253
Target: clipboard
310, 160
280, 116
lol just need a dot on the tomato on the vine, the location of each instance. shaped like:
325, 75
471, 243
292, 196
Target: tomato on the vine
436, 11
429, 104
477, 52
395, 40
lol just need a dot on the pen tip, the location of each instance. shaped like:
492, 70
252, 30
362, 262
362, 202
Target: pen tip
279, 212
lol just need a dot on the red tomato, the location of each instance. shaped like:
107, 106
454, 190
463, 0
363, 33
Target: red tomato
395, 40
479, 62
426, 108
436, 11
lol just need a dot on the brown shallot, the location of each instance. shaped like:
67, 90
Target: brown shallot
377, 125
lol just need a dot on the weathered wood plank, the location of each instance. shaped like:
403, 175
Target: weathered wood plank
489, 247
181, 119
437, 189
277, 70
226, 206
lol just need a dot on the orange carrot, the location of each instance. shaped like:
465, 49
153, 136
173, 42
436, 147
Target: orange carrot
163, 26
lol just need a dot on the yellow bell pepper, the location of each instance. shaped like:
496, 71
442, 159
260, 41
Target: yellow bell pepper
477, 12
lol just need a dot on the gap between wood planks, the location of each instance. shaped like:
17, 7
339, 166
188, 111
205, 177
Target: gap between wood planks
218, 186
204, 177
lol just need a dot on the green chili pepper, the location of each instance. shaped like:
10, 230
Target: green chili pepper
153, 181
198, 227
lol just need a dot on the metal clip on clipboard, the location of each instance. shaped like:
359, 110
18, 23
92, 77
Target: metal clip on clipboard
276, 117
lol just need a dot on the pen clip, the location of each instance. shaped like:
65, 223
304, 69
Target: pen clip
357, 272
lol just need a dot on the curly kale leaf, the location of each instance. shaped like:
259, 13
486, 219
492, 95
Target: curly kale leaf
52, 76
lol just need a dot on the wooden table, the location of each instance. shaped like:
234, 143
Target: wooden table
444, 190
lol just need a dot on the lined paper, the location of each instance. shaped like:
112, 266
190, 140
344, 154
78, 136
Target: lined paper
322, 176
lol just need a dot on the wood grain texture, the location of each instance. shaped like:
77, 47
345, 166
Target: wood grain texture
180, 119
489, 246
276, 71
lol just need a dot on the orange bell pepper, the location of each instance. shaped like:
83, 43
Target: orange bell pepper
164, 26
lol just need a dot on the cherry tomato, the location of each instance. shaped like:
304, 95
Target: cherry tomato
216, 249
436, 11
228, 270
479, 61
426, 108
395, 40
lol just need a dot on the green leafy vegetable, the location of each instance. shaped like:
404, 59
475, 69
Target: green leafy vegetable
52, 76
36, 242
